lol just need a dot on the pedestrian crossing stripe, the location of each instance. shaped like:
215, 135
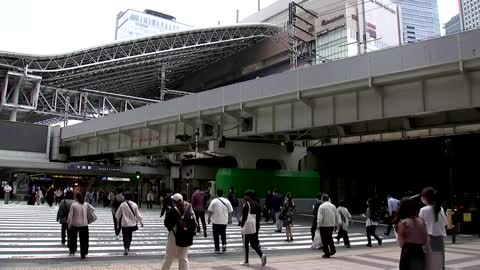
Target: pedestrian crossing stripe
31, 232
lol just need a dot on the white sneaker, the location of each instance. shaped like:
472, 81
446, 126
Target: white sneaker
245, 264
264, 260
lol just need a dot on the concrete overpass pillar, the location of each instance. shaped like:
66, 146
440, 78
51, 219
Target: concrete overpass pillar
248, 153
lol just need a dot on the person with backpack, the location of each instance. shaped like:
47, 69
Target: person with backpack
128, 218
251, 215
62, 214
220, 208
344, 218
181, 224
372, 222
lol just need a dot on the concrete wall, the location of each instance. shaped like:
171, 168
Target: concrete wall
411, 81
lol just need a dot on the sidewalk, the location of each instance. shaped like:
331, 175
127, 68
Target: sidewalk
459, 256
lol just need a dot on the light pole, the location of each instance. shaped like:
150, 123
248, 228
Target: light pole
450, 156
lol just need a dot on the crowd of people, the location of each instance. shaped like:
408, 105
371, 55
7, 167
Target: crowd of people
420, 232
75, 214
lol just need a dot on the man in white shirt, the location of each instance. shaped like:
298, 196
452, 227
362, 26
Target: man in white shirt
7, 189
218, 215
327, 221
393, 205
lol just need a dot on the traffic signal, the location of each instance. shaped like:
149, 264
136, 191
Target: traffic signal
137, 175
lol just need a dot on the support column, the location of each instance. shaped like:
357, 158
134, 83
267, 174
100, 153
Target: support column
16, 93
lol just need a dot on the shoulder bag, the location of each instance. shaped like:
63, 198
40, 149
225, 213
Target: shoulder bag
223, 203
91, 216
135, 228
250, 226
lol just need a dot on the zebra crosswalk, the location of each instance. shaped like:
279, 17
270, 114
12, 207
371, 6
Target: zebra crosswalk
31, 232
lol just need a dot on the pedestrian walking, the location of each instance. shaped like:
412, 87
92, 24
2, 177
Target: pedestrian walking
288, 213
372, 222
251, 215
327, 222
344, 218
199, 200
32, 195
412, 236
277, 209
78, 225
167, 202
436, 222
218, 213
128, 218
6, 191
232, 198
62, 214
181, 224
94, 198
108, 199
88, 196
315, 207
117, 200
39, 196
50, 196
268, 206
58, 196
150, 199
393, 205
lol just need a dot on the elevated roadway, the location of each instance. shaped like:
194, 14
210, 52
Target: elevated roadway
432, 85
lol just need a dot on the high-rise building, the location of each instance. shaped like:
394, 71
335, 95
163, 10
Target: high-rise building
454, 25
341, 28
470, 12
420, 19
132, 23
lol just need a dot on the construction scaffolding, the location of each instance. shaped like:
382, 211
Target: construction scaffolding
301, 29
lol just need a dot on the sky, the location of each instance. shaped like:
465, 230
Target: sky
55, 26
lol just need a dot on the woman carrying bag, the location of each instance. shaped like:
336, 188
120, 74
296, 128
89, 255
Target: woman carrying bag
252, 213
80, 215
128, 216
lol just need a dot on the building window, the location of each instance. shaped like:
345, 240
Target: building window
134, 17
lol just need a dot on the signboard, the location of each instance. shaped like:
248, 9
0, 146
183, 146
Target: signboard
467, 217
16, 136
118, 179
93, 167
329, 21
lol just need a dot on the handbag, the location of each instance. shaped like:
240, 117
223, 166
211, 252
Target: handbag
250, 226
91, 216
135, 228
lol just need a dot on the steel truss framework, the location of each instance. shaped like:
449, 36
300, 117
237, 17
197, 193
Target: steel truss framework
132, 68
23, 93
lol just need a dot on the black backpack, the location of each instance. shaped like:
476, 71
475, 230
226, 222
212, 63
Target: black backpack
186, 227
